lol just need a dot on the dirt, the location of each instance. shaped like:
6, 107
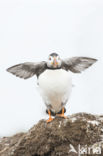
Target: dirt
61, 137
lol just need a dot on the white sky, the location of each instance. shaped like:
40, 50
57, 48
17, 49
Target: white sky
29, 31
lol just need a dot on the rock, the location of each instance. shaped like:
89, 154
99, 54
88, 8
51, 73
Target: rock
62, 137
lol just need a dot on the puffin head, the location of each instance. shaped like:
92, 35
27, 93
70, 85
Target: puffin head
54, 61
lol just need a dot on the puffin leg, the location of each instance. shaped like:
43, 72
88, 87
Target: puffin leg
62, 114
50, 118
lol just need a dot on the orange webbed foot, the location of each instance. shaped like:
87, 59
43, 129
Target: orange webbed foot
50, 118
62, 115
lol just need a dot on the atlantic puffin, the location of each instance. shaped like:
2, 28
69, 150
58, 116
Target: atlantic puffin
54, 79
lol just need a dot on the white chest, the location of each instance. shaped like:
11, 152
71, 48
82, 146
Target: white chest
55, 86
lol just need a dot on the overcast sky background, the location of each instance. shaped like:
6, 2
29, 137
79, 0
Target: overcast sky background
32, 29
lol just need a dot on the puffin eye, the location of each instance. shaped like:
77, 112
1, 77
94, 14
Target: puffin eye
49, 58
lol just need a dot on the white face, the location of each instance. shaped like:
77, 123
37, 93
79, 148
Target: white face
54, 61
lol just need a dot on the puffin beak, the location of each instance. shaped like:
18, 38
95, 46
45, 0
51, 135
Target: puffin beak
55, 63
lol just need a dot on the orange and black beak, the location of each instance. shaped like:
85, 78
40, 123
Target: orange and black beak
55, 63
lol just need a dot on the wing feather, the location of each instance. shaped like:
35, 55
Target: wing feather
77, 64
27, 69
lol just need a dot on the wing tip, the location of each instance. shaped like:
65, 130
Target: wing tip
95, 60
8, 69
15, 74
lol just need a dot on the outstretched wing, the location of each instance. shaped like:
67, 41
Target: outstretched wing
77, 64
27, 69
